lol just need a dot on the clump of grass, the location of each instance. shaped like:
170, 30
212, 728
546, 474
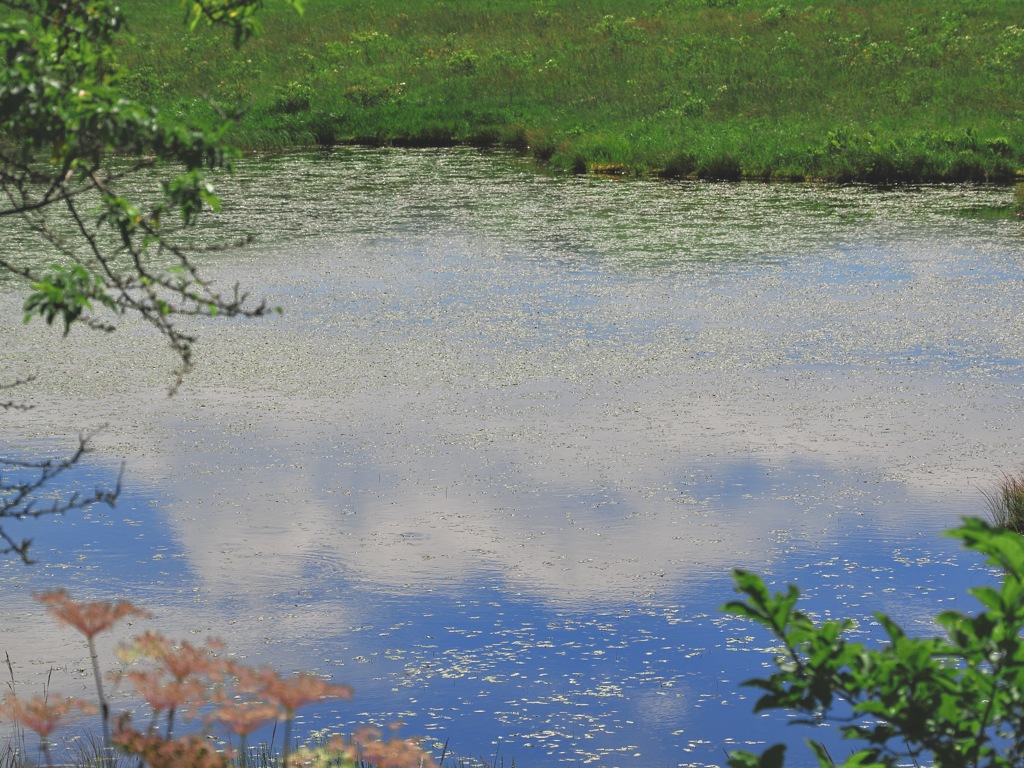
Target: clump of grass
1006, 502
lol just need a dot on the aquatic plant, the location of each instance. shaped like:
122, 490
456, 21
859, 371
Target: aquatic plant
169, 678
1006, 502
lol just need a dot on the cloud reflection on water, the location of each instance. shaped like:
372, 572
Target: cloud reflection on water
490, 409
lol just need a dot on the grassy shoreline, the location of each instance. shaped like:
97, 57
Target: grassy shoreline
719, 89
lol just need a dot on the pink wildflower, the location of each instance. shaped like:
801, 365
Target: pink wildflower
289, 693
89, 618
40, 715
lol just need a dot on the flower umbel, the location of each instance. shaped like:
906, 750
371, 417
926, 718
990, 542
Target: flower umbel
179, 660
89, 618
157, 752
196, 679
244, 717
373, 749
290, 693
367, 746
164, 695
39, 714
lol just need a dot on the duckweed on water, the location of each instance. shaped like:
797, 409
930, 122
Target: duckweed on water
495, 461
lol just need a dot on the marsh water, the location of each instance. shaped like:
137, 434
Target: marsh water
495, 461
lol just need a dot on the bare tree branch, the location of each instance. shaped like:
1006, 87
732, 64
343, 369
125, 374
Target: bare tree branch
110, 185
19, 494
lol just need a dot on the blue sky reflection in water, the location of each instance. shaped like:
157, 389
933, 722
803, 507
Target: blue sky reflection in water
495, 462
610, 683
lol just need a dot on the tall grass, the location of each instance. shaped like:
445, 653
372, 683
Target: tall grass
1006, 502
857, 91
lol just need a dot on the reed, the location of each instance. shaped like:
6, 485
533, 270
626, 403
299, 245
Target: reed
1006, 502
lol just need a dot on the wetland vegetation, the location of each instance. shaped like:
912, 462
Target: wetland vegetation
1006, 502
721, 89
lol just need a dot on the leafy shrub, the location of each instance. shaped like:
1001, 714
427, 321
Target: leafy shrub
619, 31
373, 41
952, 702
463, 61
337, 52
542, 17
372, 94
1000, 147
694, 107
776, 14
144, 82
293, 98
324, 127
542, 145
966, 166
1010, 51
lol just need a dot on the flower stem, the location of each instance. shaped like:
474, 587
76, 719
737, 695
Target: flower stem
287, 740
108, 745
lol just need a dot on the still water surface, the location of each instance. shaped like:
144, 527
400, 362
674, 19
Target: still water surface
496, 460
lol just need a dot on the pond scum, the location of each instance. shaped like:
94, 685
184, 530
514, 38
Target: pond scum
717, 89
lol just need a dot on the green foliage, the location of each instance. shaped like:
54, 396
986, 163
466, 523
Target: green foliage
76, 130
90, 165
619, 32
762, 81
463, 60
293, 98
66, 292
953, 701
238, 15
776, 14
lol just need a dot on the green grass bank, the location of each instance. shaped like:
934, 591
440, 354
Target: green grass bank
875, 91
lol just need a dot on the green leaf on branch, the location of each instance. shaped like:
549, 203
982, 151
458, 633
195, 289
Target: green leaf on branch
237, 15
952, 702
772, 757
190, 193
66, 292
